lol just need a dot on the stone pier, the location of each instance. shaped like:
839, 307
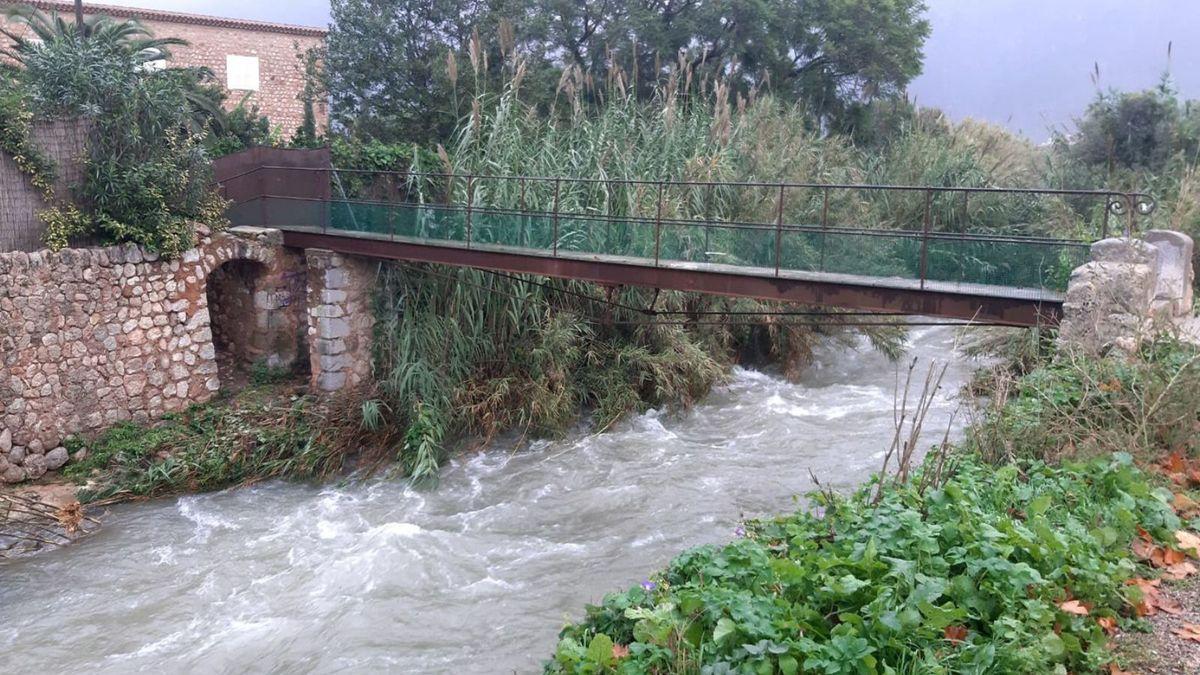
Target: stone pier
1132, 289
340, 320
91, 337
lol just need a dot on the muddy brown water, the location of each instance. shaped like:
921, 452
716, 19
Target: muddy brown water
476, 576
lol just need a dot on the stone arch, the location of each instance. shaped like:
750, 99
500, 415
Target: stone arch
255, 296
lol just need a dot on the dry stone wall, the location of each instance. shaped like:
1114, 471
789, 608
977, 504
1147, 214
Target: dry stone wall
1130, 290
91, 337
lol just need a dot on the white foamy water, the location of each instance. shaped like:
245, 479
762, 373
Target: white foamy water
476, 576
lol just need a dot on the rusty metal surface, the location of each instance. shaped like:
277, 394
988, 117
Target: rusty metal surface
946, 304
244, 176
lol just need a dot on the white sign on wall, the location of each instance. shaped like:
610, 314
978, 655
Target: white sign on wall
241, 72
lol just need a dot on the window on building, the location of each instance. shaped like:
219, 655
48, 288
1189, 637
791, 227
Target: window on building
241, 72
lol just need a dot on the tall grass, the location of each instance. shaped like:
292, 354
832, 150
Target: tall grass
468, 353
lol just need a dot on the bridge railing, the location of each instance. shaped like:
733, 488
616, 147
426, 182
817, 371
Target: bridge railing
1016, 238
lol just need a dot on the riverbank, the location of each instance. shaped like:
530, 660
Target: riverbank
475, 576
1023, 548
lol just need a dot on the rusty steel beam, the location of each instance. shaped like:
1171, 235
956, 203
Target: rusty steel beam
929, 302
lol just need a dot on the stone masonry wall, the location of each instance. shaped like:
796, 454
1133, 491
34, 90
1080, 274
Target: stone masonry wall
64, 142
340, 320
1128, 291
91, 337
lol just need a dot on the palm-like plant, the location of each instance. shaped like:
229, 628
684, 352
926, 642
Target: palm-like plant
75, 67
49, 28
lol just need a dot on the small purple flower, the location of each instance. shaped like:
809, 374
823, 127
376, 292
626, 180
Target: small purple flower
649, 586
740, 531
818, 512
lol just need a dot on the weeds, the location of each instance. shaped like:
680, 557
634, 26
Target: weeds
216, 445
1072, 406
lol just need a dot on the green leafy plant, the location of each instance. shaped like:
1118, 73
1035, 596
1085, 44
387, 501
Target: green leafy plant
975, 576
147, 177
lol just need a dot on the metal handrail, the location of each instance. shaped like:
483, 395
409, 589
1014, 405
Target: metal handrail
1131, 204
679, 222
1137, 197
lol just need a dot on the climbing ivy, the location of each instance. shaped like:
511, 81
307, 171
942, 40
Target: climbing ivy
16, 139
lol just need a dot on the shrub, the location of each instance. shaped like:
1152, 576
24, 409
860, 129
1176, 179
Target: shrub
1072, 406
147, 176
971, 577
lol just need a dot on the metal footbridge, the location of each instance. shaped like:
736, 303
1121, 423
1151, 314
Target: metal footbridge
934, 251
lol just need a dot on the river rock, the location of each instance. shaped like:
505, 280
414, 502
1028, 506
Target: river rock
16, 455
35, 466
14, 474
80, 455
56, 458
5, 441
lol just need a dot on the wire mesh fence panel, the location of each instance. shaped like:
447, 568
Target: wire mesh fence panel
518, 230
1017, 264
606, 236
871, 254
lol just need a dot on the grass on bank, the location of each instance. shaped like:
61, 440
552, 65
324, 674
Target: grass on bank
259, 433
1019, 562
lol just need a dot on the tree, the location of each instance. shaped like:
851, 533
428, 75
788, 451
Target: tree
389, 75
146, 175
1136, 130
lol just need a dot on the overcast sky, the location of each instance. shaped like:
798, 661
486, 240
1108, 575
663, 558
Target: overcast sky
1023, 63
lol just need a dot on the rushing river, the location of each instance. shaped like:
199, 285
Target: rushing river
476, 576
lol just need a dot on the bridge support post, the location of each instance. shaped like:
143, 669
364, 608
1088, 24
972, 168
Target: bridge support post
340, 320
1130, 290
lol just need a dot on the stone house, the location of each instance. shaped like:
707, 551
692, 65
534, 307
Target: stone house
260, 61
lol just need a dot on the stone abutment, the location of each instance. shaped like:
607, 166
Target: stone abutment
91, 337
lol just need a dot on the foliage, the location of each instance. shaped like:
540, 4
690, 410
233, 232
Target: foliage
1073, 406
390, 78
466, 351
74, 74
307, 135
971, 577
360, 159
1142, 130
241, 128
16, 138
147, 176
211, 446
1146, 141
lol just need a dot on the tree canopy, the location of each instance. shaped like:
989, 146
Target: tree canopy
393, 63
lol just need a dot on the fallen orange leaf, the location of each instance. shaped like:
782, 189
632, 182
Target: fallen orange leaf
1143, 548
1114, 670
1168, 604
955, 633
1151, 600
620, 651
1109, 624
1185, 505
1074, 607
1188, 542
1165, 557
1174, 462
1180, 570
1188, 631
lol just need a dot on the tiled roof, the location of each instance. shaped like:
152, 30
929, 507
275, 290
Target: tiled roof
68, 8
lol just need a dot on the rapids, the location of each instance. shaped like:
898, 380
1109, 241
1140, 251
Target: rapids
475, 576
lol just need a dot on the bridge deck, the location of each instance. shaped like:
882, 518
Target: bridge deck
972, 301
